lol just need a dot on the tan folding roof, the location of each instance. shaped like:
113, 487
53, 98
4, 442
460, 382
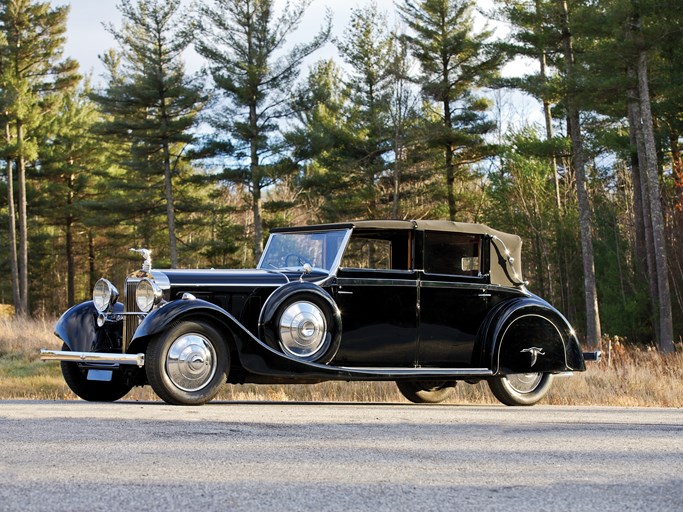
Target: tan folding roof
503, 245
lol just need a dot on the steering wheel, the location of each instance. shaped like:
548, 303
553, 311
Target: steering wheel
299, 260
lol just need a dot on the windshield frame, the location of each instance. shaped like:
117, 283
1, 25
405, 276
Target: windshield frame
335, 263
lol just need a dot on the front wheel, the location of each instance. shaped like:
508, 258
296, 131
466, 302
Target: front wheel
425, 392
93, 390
187, 364
521, 388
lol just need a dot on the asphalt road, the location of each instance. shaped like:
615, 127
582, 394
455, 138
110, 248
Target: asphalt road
298, 456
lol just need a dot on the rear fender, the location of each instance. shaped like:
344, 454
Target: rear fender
529, 335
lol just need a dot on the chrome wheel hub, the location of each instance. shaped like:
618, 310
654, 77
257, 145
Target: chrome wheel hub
302, 329
191, 362
524, 382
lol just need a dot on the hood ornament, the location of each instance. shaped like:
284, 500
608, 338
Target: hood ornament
535, 352
147, 254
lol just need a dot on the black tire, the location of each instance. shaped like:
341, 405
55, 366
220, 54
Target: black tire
425, 392
522, 388
188, 363
92, 390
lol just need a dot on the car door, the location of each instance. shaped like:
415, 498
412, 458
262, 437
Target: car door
453, 299
376, 292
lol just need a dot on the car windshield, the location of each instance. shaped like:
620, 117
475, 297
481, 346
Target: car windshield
320, 249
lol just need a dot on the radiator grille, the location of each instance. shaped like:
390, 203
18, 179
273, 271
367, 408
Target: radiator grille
130, 322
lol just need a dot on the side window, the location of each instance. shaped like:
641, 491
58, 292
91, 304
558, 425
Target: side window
367, 253
452, 253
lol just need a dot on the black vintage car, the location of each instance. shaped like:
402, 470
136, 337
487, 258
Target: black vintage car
422, 303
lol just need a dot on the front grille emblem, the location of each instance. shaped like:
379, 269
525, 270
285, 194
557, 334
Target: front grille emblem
535, 352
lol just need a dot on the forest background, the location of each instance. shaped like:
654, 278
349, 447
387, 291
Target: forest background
415, 116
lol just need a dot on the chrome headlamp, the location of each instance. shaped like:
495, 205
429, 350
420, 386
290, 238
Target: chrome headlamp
104, 295
147, 295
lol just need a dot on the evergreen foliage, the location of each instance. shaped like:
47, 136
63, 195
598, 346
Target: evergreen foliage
398, 124
244, 42
151, 103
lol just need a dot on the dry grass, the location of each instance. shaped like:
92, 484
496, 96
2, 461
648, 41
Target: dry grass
633, 377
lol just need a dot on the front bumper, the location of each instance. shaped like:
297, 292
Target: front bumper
92, 357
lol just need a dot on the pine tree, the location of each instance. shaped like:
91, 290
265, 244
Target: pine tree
650, 185
245, 44
455, 61
153, 104
72, 159
319, 141
367, 49
593, 329
32, 72
534, 36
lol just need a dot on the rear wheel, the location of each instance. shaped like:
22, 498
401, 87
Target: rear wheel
521, 388
93, 390
187, 364
425, 392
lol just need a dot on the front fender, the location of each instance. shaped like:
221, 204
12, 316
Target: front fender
529, 335
79, 331
160, 319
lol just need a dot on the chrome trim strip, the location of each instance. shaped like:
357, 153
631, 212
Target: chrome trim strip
454, 284
353, 281
92, 357
340, 253
229, 285
417, 372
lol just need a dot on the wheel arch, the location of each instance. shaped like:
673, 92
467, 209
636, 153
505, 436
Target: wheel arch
529, 335
269, 312
178, 311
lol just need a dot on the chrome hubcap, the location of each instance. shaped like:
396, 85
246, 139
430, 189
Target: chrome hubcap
524, 382
191, 362
302, 329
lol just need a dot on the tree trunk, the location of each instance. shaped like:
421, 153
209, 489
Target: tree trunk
16, 295
450, 167
70, 266
640, 188
23, 226
255, 186
639, 218
170, 207
665, 341
91, 259
593, 330
397, 187
547, 115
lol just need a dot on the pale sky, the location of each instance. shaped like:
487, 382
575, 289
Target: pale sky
87, 38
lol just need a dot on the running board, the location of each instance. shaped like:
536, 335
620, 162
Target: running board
418, 372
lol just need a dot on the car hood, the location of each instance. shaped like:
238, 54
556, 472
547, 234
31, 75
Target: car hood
218, 278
